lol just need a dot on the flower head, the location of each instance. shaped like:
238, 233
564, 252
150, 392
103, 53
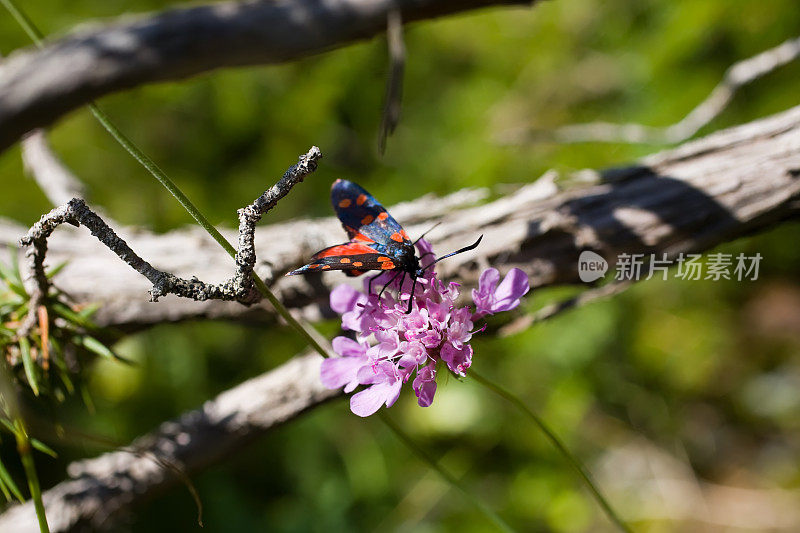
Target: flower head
393, 345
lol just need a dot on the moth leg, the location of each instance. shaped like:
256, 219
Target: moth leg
390, 282
369, 284
411, 295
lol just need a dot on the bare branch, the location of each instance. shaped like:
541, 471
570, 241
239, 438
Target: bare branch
240, 287
737, 75
690, 198
38, 87
586, 297
54, 179
706, 192
394, 81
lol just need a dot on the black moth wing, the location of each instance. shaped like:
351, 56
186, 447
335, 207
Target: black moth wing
363, 217
354, 258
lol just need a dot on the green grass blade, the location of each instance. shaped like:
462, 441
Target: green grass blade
10, 278
582, 471
9, 484
24, 449
98, 348
71, 316
28, 364
51, 272
44, 448
449, 478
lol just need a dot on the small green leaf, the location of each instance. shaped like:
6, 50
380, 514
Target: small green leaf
8, 278
87, 399
12, 253
44, 448
8, 483
97, 347
89, 310
51, 273
71, 316
8, 425
61, 365
27, 362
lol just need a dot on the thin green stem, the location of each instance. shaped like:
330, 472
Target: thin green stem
304, 329
449, 478
559, 445
26, 454
22, 19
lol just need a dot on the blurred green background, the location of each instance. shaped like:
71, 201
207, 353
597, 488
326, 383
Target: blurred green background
706, 373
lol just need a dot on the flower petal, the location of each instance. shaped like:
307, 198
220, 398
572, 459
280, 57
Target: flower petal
458, 359
425, 385
368, 401
344, 298
347, 347
339, 371
514, 286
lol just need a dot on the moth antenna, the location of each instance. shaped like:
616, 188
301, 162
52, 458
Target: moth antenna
426, 232
459, 251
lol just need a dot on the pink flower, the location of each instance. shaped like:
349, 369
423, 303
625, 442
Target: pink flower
490, 299
343, 371
393, 345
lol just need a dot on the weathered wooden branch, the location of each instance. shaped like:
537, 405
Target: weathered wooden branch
703, 193
100, 489
39, 86
688, 199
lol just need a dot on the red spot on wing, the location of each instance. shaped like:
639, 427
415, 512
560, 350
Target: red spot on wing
383, 258
345, 203
367, 219
404, 234
344, 259
362, 237
383, 215
357, 264
396, 236
361, 199
387, 265
352, 248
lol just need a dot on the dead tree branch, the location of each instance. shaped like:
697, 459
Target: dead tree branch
101, 488
37, 87
240, 287
732, 183
54, 179
691, 198
736, 76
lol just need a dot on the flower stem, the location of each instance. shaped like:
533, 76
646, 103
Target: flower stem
559, 445
305, 330
26, 454
449, 478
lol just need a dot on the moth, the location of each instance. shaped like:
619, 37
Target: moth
377, 240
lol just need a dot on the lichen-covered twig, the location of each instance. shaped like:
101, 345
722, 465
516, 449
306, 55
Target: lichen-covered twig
240, 287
